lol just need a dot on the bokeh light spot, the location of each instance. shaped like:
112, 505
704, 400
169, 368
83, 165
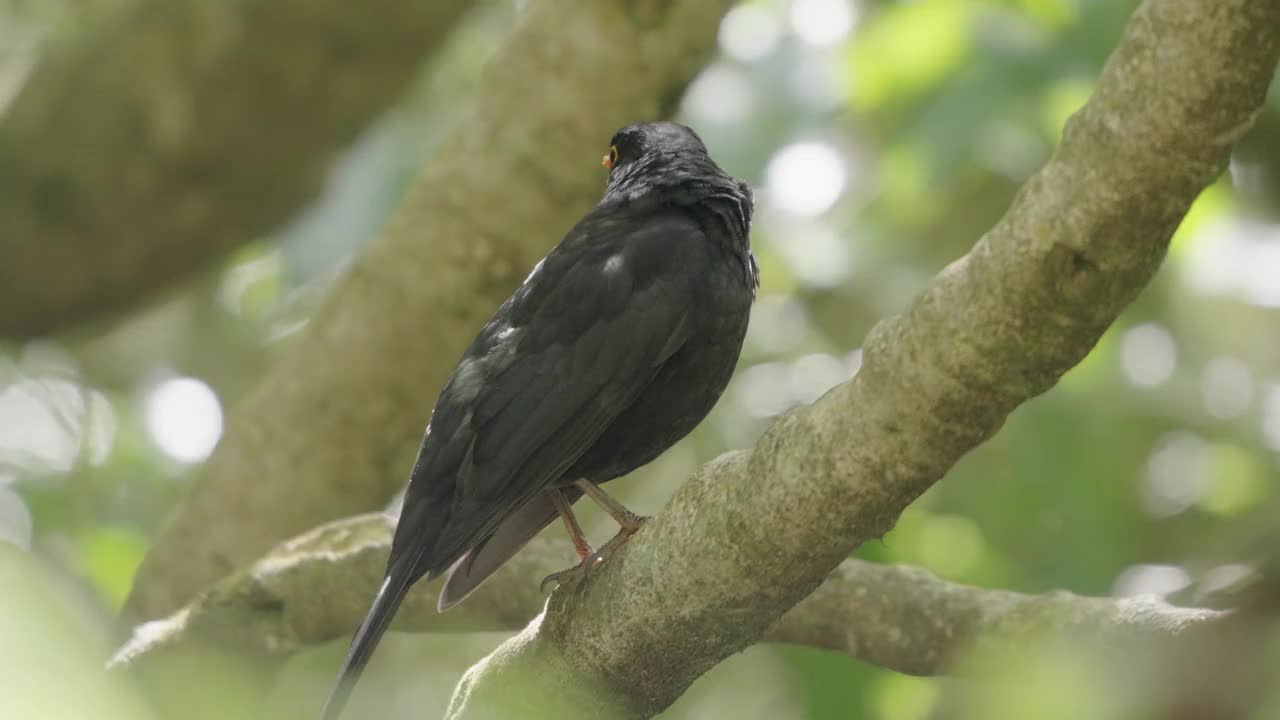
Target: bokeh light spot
721, 94
1226, 387
813, 375
1159, 580
1176, 474
1271, 418
805, 178
764, 390
1148, 355
817, 255
1235, 258
43, 421
778, 323
748, 32
16, 525
184, 418
1225, 578
821, 22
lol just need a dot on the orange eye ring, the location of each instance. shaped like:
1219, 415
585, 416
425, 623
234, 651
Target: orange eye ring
612, 158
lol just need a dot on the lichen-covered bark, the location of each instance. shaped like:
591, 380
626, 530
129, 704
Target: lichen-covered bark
157, 140
316, 588
755, 532
333, 427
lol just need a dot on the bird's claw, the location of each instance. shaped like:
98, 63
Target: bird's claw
555, 576
568, 575
598, 557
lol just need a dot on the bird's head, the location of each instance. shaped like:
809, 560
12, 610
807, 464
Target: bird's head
654, 155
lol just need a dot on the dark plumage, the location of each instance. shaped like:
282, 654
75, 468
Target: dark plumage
617, 344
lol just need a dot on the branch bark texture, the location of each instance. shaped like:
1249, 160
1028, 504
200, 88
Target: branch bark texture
755, 532
139, 151
315, 588
334, 426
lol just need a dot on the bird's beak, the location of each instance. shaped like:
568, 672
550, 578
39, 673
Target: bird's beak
607, 162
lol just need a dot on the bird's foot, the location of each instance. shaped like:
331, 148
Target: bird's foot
588, 562
585, 556
630, 527
628, 524
565, 577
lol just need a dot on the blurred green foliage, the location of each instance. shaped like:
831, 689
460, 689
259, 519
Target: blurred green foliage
1151, 467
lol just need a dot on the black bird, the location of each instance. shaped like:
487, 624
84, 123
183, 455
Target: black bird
617, 344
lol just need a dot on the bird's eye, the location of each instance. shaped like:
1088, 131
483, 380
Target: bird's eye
612, 158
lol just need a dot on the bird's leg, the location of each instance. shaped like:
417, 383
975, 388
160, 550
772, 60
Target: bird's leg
628, 522
580, 544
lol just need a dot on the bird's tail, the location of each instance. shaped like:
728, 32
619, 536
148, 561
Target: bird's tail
385, 604
485, 558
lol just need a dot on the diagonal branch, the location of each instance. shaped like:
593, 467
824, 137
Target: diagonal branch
147, 146
320, 440
755, 532
315, 588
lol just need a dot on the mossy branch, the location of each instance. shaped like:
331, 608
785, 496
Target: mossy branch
315, 588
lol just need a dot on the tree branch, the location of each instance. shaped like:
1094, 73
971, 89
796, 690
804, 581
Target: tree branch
755, 532
316, 588
140, 151
320, 440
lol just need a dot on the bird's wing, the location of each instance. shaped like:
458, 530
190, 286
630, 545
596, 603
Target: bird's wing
556, 365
